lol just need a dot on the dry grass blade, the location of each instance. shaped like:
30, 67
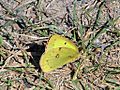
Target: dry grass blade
25, 27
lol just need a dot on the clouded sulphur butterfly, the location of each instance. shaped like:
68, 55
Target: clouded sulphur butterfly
59, 51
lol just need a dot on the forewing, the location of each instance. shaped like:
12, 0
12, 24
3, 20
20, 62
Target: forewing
57, 41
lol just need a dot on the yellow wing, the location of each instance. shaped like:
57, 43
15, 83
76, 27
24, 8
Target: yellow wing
57, 57
57, 41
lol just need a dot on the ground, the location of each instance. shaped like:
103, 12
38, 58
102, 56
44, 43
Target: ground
25, 28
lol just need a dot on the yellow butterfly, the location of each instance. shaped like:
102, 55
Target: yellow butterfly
59, 52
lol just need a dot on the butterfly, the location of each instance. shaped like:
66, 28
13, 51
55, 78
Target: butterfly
59, 51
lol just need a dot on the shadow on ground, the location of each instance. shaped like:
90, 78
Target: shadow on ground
36, 52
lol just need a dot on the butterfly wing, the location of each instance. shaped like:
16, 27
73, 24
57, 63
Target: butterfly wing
57, 41
57, 57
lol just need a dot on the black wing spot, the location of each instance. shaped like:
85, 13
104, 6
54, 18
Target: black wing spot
65, 43
57, 56
60, 48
